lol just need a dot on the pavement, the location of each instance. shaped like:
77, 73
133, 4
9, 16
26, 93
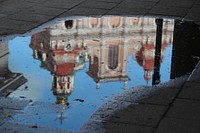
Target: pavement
169, 108
21, 16
10, 84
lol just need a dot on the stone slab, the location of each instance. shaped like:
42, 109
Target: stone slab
170, 11
98, 5
126, 128
191, 90
176, 3
105, 111
192, 16
163, 97
111, 1
35, 18
81, 11
92, 126
16, 4
17, 25
143, 115
44, 10
185, 109
10, 127
113, 127
122, 11
6, 31
195, 76
172, 125
2, 15
6, 114
62, 4
12, 103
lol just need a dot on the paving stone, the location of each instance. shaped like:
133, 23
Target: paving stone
98, 5
66, 4
17, 25
172, 125
84, 12
176, 3
185, 109
111, 127
195, 9
197, 2
132, 8
105, 111
192, 16
170, 11
111, 1
7, 114
137, 4
35, 18
92, 126
193, 13
135, 95
162, 97
195, 76
142, 0
143, 114
2, 15
10, 127
128, 12
11, 103
36, 1
8, 10
191, 90
44, 11
16, 4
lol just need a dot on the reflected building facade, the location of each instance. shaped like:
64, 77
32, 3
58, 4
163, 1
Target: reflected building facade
61, 61
4, 59
185, 53
9, 81
105, 42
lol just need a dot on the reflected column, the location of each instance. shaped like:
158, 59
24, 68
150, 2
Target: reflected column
156, 74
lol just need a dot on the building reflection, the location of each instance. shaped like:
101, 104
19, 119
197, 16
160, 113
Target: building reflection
105, 42
9, 81
185, 53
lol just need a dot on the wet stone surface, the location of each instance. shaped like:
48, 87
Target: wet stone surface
75, 67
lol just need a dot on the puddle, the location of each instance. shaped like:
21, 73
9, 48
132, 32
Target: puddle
75, 66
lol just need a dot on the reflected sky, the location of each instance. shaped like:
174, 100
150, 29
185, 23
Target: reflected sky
88, 59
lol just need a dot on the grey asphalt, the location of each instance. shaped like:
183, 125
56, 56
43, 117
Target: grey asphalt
171, 108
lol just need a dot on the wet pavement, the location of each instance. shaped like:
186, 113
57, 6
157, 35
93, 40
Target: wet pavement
20, 16
60, 75
168, 108
55, 97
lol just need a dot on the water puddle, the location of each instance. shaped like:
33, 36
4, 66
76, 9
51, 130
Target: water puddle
73, 67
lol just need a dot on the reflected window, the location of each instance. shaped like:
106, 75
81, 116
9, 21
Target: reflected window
94, 22
135, 21
68, 85
113, 57
115, 22
69, 24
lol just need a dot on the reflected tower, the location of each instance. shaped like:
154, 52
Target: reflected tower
61, 56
